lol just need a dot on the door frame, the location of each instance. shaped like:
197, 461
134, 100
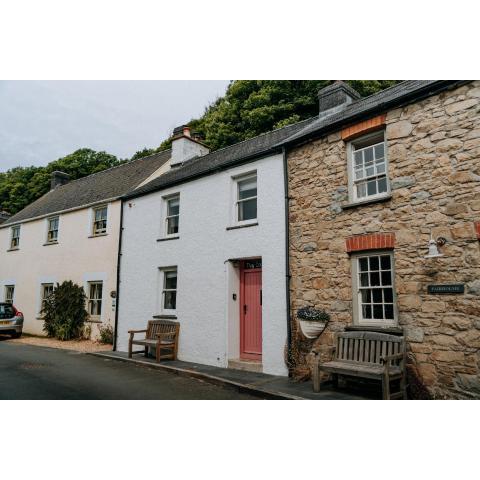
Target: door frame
242, 354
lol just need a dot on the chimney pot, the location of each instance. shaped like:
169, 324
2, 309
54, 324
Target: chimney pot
58, 178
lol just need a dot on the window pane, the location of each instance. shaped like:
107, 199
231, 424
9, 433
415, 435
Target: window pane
366, 296
170, 300
385, 262
380, 168
378, 311
362, 190
366, 311
247, 188
389, 312
374, 264
172, 225
170, 280
359, 174
247, 210
363, 264
364, 280
386, 278
372, 187
388, 295
368, 154
380, 150
358, 159
374, 279
174, 206
377, 295
382, 185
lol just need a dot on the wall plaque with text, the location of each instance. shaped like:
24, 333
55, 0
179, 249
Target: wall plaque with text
451, 289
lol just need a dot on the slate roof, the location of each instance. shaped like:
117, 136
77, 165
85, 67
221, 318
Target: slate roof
108, 184
404, 92
221, 159
399, 94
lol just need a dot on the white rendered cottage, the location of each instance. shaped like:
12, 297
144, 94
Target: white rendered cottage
70, 233
205, 244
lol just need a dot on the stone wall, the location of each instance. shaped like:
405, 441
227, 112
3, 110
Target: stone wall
433, 149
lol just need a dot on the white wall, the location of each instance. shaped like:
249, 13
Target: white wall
76, 257
206, 280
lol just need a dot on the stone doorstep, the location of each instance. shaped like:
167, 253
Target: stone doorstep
246, 365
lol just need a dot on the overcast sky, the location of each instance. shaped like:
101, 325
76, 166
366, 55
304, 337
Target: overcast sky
41, 121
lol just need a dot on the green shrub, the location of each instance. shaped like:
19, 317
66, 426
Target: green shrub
106, 334
64, 312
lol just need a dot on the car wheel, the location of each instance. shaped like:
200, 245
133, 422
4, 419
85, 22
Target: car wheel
17, 335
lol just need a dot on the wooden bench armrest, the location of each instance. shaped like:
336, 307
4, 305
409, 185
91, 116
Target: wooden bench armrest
387, 358
137, 331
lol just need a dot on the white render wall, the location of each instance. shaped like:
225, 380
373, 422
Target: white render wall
76, 257
208, 315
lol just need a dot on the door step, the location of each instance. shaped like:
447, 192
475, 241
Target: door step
246, 365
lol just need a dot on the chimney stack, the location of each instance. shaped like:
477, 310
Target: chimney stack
185, 146
4, 216
58, 178
335, 98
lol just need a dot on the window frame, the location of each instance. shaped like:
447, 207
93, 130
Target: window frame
91, 300
99, 232
50, 219
356, 290
42, 293
238, 201
163, 272
166, 216
6, 297
371, 140
12, 237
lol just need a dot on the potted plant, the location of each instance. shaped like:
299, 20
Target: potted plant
312, 321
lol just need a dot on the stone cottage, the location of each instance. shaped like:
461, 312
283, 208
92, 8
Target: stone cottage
371, 182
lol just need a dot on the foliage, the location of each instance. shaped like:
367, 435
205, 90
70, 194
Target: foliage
106, 334
313, 314
64, 312
23, 185
248, 108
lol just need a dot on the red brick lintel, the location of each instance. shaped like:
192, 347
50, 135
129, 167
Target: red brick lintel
364, 127
477, 229
374, 241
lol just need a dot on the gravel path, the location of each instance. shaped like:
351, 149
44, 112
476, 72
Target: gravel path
85, 346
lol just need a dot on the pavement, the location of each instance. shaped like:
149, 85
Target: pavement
40, 373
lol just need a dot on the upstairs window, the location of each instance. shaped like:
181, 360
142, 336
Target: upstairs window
169, 290
172, 219
373, 283
368, 168
95, 292
9, 293
15, 239
52, 230
247, 198
100, 220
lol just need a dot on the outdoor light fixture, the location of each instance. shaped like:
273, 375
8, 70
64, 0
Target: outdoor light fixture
433, 246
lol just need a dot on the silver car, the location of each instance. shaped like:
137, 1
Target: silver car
11, 320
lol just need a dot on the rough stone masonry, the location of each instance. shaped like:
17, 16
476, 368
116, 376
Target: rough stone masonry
433, 149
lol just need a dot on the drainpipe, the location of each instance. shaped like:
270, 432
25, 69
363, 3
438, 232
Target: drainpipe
119, 257
287, 254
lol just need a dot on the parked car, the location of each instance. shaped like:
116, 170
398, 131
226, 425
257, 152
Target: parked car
11, 320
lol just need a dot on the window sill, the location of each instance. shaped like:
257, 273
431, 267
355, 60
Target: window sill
386, 198
394, 330
93, 320
165, 239
98, 235
165, 317
14, 249
50, 243
236, 227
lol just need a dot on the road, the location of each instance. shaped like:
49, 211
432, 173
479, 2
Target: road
31, 372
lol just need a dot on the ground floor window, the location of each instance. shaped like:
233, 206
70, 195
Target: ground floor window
95, 291
46, 290
9, 293
169, 289
373, 283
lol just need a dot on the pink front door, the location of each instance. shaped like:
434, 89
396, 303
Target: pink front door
251, 310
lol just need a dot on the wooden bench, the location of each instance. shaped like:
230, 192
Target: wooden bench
371, 355
160, 334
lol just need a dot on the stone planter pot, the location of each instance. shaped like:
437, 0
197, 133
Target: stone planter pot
312, 329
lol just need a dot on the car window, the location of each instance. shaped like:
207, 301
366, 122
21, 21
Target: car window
6, 310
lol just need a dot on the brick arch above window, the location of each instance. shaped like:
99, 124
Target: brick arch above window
477, 229
374, 241
362, 128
